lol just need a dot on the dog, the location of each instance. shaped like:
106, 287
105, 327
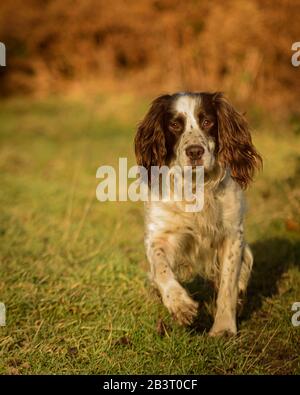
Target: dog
199, 129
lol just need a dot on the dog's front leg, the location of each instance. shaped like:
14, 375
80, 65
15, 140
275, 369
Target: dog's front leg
231, 257
182, 307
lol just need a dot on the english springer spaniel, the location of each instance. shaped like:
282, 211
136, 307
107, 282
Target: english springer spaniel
199, 129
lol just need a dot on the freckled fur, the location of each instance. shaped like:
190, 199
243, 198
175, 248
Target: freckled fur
210, 242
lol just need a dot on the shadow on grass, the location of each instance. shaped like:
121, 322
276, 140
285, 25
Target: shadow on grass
272, 258
202, 291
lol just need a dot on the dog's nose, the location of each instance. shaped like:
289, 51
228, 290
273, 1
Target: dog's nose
194, 151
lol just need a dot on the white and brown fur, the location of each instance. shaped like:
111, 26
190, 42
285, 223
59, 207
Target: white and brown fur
199, 129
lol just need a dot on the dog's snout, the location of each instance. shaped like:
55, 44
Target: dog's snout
194, 151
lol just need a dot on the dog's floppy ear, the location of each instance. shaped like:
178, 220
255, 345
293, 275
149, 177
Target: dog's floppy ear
150, 142
235, 144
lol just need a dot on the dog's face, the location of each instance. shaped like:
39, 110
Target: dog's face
192, 129
193, 121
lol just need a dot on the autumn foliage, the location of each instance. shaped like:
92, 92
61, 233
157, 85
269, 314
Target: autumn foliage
153, 46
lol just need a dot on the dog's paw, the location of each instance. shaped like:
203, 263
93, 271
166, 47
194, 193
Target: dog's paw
180, 305
223, 329
226, 333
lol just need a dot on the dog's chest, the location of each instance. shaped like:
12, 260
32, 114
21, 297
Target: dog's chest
193, 236
208, 223
201, 237
207, 228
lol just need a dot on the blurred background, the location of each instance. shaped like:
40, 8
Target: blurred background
79, 76
153, 46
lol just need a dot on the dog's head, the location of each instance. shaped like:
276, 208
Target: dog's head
192, 129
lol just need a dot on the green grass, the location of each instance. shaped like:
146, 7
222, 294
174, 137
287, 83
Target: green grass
73, 270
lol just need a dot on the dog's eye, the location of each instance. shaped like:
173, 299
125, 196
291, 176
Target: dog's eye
175, 125
207, 123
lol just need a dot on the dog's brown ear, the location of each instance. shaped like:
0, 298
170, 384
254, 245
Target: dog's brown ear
235, 144
150, 142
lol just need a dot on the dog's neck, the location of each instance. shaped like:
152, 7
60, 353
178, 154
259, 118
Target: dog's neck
215, 178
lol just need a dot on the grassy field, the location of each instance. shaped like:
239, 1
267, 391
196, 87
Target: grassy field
73, 270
